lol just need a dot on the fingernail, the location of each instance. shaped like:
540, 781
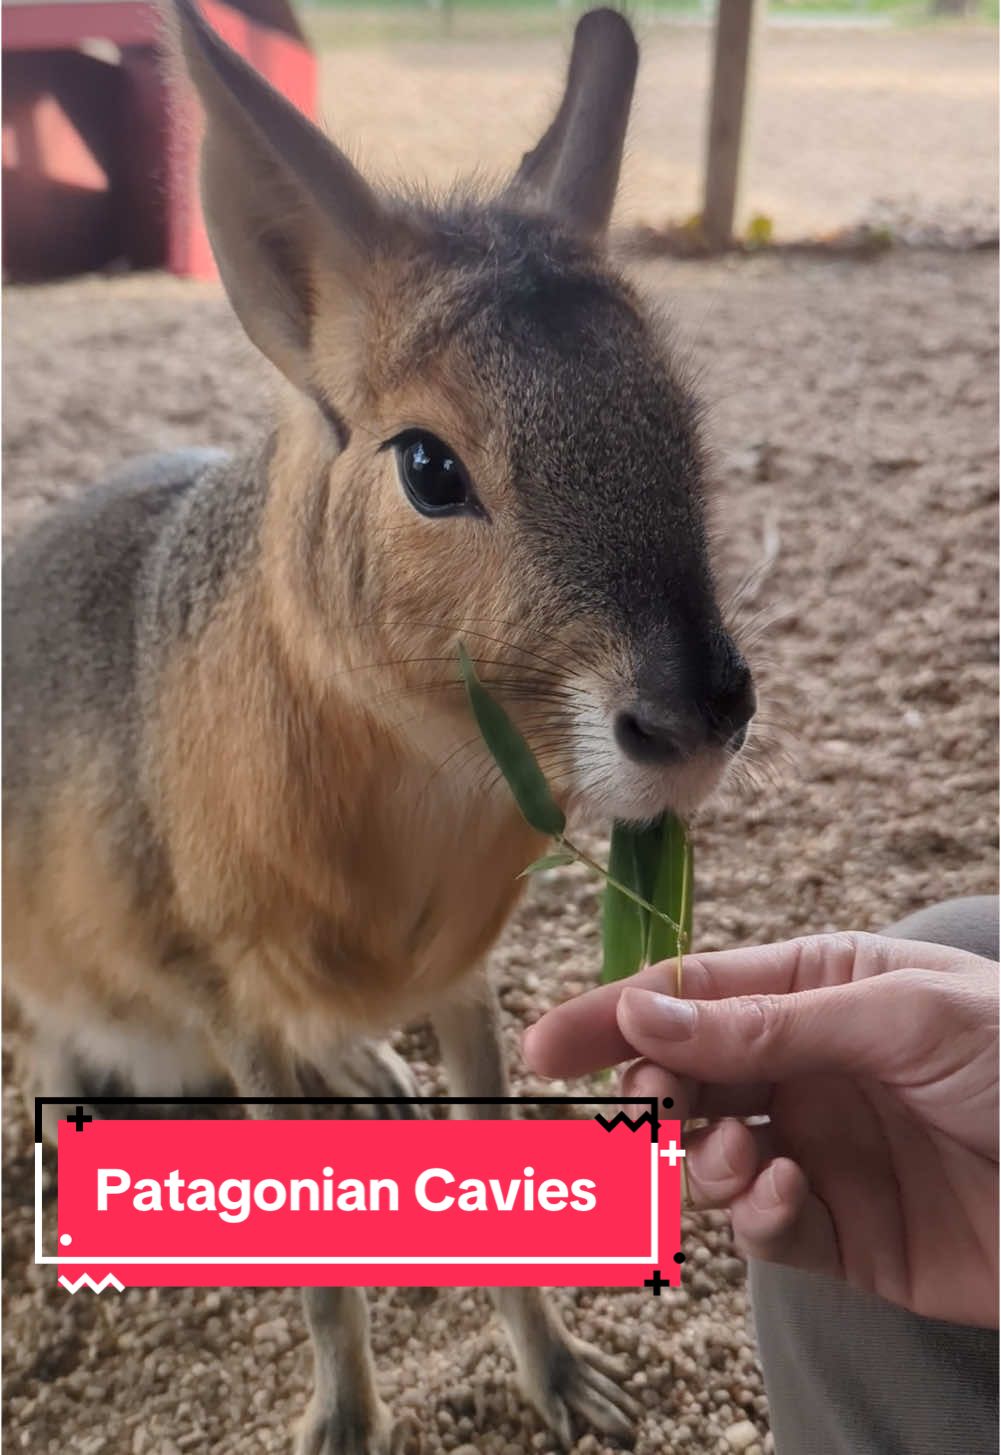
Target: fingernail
663, 1016
767, 1192
714, 1162
644, 1080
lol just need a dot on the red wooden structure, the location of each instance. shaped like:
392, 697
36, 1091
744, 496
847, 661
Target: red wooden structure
99, 158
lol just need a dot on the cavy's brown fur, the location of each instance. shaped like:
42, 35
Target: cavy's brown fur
249, 824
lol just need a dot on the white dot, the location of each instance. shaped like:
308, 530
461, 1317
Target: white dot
328, 1172
66, 1239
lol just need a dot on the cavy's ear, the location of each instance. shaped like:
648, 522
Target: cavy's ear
278, 198
575, 167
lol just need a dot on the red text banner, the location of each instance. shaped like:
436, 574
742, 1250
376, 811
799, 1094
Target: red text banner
366, 1203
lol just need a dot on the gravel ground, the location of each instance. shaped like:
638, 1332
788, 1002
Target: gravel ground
854, 420
855, 429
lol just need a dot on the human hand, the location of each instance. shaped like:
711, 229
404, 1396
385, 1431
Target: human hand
876, 1063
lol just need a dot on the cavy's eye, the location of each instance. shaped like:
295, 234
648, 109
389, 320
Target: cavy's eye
433, 476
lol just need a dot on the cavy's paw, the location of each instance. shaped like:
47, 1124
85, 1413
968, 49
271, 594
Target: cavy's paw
576, 1379
355, 1429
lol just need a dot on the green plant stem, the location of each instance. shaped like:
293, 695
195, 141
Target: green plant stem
683, 911
622, 888
686, 1199
583, 858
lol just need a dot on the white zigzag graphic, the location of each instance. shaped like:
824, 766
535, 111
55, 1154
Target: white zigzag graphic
85, 1281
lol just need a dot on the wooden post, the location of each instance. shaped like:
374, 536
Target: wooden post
731, 72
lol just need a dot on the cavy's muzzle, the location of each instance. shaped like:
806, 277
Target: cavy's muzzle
668, 725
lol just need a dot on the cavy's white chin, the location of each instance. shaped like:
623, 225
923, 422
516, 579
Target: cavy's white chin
608, 786
631, 793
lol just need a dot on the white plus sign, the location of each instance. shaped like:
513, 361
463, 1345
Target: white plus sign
672, 1152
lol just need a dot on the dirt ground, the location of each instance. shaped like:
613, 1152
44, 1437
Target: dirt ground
854, 422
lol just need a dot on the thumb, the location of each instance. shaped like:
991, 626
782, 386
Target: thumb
771, 1037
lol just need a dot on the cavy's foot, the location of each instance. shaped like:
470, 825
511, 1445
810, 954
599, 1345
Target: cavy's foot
355, 1429
563, 1376
576, 1379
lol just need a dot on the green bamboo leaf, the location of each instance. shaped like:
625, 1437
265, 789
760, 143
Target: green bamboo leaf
647, 841
651, 861
556, 860
623, 927
634, 859
646, 849
513, 755
669, 892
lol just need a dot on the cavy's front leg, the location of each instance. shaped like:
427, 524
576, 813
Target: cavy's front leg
362, 1068
345, 1415
562, 1376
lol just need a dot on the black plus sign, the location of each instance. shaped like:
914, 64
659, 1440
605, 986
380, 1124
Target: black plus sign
655, 1283
80, 1118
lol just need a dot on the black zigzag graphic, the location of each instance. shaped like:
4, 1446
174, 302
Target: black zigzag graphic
633, 1123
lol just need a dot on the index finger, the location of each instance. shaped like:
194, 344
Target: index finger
582, 1035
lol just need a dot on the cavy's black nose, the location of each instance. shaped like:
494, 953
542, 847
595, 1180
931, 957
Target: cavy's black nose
738, 740
647, 734
732, 702
671, 719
